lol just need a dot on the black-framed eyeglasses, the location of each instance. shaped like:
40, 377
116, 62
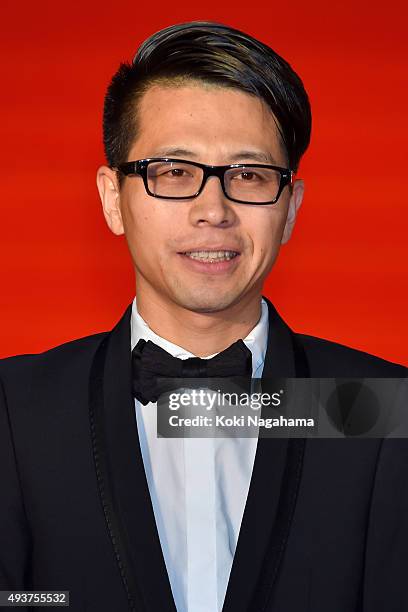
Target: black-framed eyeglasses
179, 179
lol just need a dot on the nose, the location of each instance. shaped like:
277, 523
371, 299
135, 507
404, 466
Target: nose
211, 206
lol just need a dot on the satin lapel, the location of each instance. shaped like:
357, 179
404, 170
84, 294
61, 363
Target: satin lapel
121, 477
272, 492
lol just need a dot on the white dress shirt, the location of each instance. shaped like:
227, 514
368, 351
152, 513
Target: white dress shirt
198, 488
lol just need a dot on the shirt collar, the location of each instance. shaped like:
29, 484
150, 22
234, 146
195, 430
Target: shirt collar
256, 340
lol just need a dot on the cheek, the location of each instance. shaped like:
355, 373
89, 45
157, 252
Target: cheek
138, 217
148, 227
266, 236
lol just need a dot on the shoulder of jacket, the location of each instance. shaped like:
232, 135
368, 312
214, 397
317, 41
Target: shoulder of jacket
80, 350
329, 358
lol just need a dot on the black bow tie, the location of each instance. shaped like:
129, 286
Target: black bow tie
151, 362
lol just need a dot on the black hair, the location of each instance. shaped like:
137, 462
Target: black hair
214, 54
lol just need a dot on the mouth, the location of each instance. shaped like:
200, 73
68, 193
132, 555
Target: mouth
211, 261
211, 256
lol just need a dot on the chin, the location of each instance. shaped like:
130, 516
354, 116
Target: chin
205, 303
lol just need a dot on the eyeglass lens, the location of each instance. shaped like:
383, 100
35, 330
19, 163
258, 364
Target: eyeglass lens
181, 180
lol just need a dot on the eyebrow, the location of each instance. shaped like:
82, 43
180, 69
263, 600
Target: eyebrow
260, 156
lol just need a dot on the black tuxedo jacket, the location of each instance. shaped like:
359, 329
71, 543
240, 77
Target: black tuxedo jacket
325, 527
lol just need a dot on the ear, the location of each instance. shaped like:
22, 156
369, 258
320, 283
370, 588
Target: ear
294, 205
108, 187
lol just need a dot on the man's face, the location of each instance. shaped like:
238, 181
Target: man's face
213, 126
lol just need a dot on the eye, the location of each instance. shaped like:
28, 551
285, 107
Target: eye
176, 172
169, 172
248, 176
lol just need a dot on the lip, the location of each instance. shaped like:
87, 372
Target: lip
222, 267
210, 249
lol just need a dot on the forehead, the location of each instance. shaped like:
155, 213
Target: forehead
209, 120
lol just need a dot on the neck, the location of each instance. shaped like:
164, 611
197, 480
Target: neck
199, 333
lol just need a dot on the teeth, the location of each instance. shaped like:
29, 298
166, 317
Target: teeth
211, 256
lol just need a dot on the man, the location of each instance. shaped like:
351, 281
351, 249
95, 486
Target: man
203, 135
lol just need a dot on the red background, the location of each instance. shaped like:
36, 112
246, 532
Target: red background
343, 275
